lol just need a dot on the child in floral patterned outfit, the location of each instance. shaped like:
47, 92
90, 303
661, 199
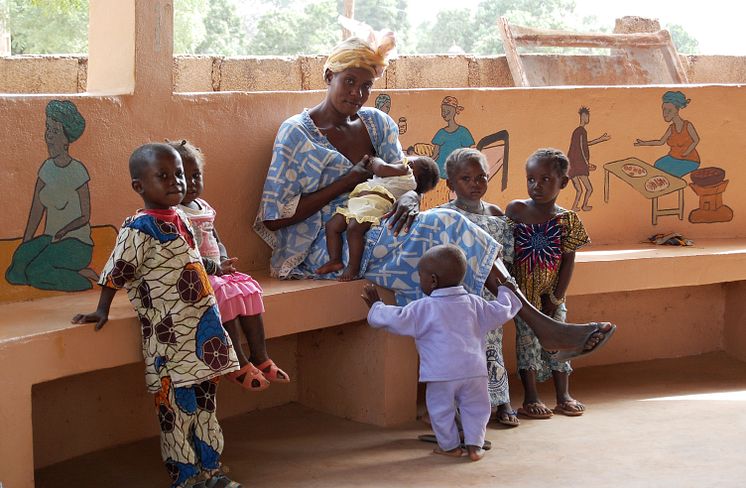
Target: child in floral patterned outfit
185, 347
546, 238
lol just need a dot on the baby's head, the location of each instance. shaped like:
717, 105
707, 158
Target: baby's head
466, 169
441, 266
425, 171
157, 175
194, 164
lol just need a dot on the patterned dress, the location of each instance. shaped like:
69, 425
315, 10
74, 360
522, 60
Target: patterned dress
536, 265
497, 375
184, 344
304, 161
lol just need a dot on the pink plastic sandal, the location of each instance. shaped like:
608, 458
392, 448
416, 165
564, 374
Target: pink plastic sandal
273, 373
249, 377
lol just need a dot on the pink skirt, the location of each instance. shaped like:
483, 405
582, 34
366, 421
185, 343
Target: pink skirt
237, 294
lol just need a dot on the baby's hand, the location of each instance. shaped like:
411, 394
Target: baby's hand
226, 266
370, 295
98, 316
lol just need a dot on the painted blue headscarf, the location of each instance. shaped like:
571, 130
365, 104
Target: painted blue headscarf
677, 98
66, 113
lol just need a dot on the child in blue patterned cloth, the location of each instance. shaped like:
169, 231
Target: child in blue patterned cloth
369, 202
185, 346
546, 238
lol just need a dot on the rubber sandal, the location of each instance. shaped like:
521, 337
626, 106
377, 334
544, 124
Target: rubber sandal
431, 438
575, 353
272, 372
526, 412
508, 418
563, 409
249, 377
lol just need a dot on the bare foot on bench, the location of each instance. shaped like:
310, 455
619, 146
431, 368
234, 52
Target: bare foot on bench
350, 274
330, 267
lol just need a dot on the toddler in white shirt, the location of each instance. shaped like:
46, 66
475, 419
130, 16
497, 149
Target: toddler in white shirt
449, 326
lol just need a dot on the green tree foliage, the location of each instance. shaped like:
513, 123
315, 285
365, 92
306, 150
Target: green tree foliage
477, 31
286, 31
289, 27
685, 43
47, 27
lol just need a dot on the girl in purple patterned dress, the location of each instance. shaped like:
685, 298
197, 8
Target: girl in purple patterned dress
546, 238
239, 296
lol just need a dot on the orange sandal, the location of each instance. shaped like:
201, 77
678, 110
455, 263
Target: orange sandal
273, 373
249, 377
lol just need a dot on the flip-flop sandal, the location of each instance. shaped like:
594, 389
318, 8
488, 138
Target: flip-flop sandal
272, 372
526, 411
565, 409
431, 438
508, 418
249, 377
581, 351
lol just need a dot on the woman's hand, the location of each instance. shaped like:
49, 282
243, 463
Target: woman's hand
547, 307
360, 172
403, 213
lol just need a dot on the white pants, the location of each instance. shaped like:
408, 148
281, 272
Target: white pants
470, 396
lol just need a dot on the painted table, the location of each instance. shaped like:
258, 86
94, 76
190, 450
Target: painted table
649, 181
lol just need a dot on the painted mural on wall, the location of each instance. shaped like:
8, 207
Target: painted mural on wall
579, 155
59, 257
453, 136
666, 175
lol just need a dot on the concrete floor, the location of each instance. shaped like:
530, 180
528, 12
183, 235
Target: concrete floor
664, 423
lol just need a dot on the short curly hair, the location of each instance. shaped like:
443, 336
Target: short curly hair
554, 156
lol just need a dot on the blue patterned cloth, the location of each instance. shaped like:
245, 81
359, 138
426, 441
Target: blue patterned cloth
303, 161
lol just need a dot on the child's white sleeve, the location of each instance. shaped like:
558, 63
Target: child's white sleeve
397, 320
493, 314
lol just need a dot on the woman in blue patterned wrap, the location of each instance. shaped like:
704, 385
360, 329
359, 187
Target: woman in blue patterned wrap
313, 169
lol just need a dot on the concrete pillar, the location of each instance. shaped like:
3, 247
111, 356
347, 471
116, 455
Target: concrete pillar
734, 334
111, 47
359, 373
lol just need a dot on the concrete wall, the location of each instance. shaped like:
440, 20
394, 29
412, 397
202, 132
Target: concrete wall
67, 74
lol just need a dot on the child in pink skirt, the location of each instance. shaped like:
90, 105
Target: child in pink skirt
238, 295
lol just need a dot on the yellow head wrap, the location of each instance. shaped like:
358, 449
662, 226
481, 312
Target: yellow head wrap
355, 52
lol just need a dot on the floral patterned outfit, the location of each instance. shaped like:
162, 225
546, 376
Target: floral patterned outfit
497, 376
184, 344
536, 264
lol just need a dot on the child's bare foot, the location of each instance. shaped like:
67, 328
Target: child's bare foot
575, 208
586, 208
350, 274
330, 267
452, 453
475, 453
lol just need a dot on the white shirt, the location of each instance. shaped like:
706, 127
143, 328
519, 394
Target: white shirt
449, 328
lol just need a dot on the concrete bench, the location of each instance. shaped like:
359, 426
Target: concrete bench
38, 343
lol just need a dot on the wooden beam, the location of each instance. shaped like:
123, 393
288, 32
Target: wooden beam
511, 53
525, 36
